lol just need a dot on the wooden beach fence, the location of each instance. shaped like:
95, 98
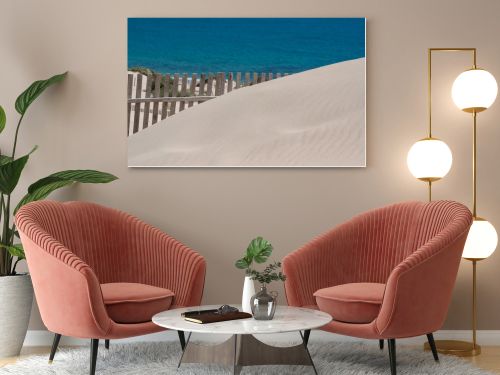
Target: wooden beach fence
152, 98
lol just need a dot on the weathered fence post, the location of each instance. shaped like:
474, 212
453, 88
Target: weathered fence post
155, 96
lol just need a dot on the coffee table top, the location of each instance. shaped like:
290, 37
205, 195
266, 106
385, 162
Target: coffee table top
286, 319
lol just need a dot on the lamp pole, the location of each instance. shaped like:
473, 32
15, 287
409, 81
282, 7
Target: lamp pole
475, 347
429, 96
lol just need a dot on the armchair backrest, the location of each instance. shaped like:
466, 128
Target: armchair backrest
386, 236
94, 233
368, 247
379, 241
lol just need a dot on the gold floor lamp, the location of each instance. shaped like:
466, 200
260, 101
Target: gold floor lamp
430, 159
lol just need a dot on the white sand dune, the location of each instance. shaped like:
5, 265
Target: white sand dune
313, 118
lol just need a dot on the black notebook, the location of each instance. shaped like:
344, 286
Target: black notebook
213, 316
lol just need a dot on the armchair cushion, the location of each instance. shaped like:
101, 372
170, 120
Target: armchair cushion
133, 302
353, 302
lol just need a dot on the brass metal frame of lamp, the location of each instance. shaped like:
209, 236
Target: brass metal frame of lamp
455, 347
430, 180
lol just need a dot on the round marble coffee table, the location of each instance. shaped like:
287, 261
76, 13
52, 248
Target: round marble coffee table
242, 348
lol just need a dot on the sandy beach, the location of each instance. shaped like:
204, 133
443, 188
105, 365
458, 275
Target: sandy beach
313, 118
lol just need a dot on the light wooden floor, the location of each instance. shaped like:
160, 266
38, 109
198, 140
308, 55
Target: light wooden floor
25, 353
488, 360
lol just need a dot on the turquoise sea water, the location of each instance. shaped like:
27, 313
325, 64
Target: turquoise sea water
276, 45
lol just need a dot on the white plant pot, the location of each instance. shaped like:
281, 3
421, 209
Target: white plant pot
248, 292
16, 298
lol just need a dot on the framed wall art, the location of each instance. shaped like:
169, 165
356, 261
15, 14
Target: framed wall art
246, 92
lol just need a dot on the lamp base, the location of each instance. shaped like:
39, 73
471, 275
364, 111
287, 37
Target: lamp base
456, 348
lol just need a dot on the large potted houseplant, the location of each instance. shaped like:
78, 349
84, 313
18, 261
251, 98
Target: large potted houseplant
16, 291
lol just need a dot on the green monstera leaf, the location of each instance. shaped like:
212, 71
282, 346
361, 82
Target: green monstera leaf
258, 250
29, 95
242, 263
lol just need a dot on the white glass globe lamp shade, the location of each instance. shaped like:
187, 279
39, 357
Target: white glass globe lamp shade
481, 241
474, 90
429, 159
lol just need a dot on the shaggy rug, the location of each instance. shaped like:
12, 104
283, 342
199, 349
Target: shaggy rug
162, 357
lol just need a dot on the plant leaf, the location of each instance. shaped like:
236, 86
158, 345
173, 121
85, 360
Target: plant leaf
86, 176
4, 159
242, 263
43, 187
29, 95
42, 193
259, 249
3, 119
10, 172
15, 250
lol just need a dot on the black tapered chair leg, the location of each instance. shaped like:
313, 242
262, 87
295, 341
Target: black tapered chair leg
432, 344
392, 355
106, 344
94, 346
381, 344
182, 339
307, 333
55, 344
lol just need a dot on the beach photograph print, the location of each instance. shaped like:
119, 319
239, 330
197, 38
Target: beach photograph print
246, 92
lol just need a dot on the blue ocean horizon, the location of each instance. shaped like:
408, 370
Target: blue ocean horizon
270, 45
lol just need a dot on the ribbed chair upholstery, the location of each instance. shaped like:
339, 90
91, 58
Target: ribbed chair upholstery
82, 255
385, 274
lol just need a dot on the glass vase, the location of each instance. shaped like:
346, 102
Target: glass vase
263, 304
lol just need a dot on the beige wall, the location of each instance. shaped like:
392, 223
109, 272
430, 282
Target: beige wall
81, 124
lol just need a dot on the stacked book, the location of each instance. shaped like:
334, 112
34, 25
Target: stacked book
213, 316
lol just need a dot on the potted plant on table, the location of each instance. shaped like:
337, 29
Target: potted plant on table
16, 291
258, 251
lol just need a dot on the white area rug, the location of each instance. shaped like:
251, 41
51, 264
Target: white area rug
162, 358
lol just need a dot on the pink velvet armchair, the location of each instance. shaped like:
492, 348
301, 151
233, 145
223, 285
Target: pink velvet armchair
385, 274
99, 273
